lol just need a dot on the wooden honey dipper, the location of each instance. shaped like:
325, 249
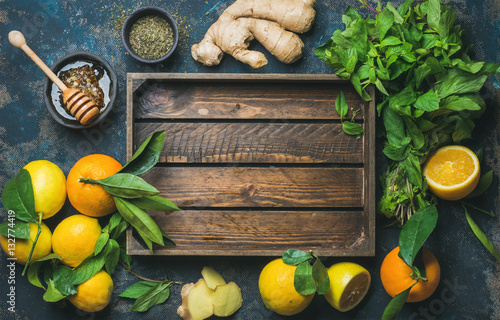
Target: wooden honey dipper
79, 105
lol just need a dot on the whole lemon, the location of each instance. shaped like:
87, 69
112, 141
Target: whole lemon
94, 294
74, 238
21, 248
349, 283
49, 186
277, 289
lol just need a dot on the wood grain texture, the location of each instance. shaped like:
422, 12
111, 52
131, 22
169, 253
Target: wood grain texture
258, 163
237, 232
253, 142
259, 187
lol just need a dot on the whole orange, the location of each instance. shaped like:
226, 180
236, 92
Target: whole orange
91, 199
397, 276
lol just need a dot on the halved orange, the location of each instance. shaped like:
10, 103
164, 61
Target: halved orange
452, 172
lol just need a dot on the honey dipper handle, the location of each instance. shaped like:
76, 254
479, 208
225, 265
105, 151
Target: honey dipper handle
17, 39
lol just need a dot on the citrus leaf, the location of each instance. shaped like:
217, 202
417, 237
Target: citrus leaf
112, 255
483, 185
396, 304
32, 274
126, 185
101, 242
118, 231
303, 279
52, 294
137, 289
481, 236
146, 156
140, 220
61, 277
416, 231
154, 296
155, 203
18, 197
293, 257
88, 268
320, 277
13, 228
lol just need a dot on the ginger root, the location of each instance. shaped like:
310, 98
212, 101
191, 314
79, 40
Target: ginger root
201, 301
271, 22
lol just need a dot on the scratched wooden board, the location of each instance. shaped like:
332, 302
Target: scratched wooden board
258, 163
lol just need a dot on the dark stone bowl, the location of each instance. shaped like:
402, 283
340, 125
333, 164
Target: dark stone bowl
51, 92
142, 12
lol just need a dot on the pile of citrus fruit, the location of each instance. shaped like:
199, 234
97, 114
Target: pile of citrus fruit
74, 238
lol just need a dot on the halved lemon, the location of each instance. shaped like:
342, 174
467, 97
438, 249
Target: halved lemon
452, 172
349, 283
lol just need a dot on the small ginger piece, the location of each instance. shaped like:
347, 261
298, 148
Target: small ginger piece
212, 277
197, 301
272, 22
227, 299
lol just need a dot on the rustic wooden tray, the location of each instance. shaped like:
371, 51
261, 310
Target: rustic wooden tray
258, 163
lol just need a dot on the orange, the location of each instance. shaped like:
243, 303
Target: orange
74, 238
397, 276
94, 294
91, 199
277, 289
452, 172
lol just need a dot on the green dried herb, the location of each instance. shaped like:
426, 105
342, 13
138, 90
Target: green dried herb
151, 37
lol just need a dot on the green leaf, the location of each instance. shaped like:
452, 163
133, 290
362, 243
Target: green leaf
148, 242
396, 154
112, 255
101, 242
483, 185
341, 105
385, 20
416, 231
411, 166
140, 220
416, 134
397, 17
434, 14
137, 289
154, 296
480, 154
293, 257
118, 231
428, 102
303, 279
32, 274
88, 268
146, 156
352, 128
320, 277
395, 128
458, 82
390, 41
61, 276
52, 294
155, 203
396, 304
18, 197
380, 87
462, 102
114, 221
481, 236
127, 185
15, 228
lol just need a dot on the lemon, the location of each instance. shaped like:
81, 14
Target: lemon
349, 283
21, 248
49, 187
94, 294
277, 289
74, 238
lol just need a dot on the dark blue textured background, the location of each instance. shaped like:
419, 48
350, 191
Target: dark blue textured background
470, 286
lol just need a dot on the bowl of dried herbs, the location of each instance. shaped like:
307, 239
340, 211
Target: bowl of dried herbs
150, 34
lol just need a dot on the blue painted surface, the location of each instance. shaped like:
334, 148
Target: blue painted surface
470, 276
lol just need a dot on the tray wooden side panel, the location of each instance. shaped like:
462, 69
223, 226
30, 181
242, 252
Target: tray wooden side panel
258, 163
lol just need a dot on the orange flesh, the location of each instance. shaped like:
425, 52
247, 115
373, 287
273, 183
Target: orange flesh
450, 167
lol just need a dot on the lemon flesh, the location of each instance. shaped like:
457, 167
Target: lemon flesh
349, 283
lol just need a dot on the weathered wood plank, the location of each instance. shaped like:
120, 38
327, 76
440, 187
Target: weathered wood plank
243, 232
254, 142
237, 100
259, 187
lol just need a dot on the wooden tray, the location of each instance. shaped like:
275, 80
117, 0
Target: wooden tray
258, 163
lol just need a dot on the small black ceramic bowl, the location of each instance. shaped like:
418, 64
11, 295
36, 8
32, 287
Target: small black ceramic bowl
143, 12
108, 83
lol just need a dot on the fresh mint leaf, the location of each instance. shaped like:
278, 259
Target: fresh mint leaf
352, 128
428, 101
